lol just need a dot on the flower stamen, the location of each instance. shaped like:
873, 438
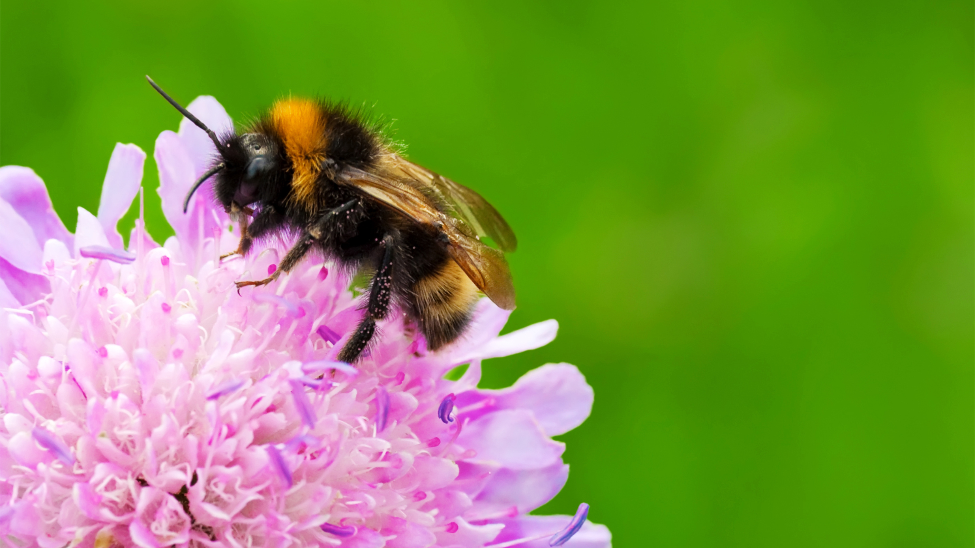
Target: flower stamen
446, 408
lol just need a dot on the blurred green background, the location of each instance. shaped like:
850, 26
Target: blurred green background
754, 221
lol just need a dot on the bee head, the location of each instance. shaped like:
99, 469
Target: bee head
246, 163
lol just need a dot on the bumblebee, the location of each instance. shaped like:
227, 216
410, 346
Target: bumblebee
319, 171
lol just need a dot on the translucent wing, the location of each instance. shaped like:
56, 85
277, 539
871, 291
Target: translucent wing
485, 266
461, 201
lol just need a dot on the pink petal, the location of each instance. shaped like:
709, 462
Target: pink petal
524, 339
541, 528
18, 245
176, 175
6, 297
524, 489
88, 232
196, 141
121, 185
25, 287
468, 535
512, 438
87, 500
23, 190
558, 395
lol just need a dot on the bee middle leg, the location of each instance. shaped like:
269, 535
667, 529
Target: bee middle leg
265, 223
378, 304
293, 257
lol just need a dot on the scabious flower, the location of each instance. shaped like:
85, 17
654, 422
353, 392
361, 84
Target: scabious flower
146, 403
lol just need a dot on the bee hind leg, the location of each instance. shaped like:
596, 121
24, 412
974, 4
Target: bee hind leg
378, 304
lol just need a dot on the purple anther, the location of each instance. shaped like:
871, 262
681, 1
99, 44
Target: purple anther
316, 383
228, 387
302, 403
166, 307
323, 366
446, 408
49, 441
291, 309
102, 352
165, 260
420, 495
323, 273
339, 530
272, 268
434, 442
107, 253
327, 334
400, 378
278, 464
565, 534
451, 528
103, 292
383, 408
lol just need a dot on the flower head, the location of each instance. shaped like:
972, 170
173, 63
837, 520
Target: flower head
145, 402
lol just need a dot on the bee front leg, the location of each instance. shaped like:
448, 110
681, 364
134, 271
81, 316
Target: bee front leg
245, 243
264, 221
378, 305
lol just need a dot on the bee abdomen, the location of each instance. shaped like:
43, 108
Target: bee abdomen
444, 302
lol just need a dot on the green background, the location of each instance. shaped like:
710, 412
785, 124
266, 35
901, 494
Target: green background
754, 221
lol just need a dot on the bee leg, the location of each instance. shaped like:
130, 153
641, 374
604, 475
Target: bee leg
378, 305
293, 257
245, 243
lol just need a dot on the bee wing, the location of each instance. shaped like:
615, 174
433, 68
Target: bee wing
485, 266
464, 203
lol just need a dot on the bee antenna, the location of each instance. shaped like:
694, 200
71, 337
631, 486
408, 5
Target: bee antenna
186, 113
198, 183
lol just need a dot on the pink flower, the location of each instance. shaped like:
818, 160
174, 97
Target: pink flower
146, 403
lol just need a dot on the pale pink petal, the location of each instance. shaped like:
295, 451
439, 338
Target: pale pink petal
408, 534
121, 185
558, 395
511, 438
25, 451
431, 472
525, 490
487, 321
26, 193
197, 142
524, 339
176, 175
88, 232
541, 528
18, 245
